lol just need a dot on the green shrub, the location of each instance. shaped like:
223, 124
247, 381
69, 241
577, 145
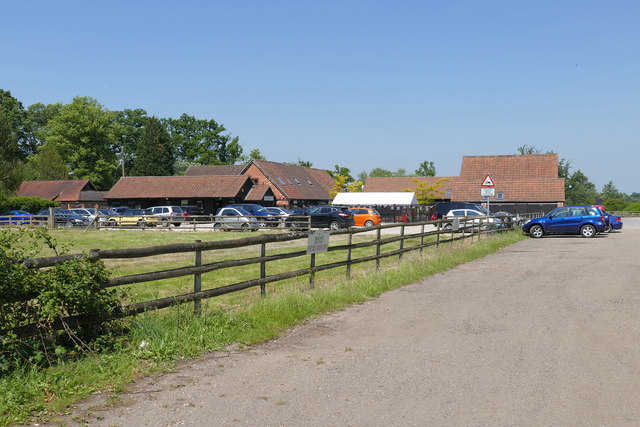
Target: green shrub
41, 298
29, 204
635, 206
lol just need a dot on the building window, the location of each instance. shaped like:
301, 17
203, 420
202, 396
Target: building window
447, 193
280, 179
500, 196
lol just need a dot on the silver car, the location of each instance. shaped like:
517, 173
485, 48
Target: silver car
234, 218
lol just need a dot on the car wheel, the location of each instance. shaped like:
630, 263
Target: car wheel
448, 226
141, 223
609, 228
536, 231
261, 224
588, 230
368, 224
112, 223
244, 227
334, 225
176, 224
165, 223
217, 227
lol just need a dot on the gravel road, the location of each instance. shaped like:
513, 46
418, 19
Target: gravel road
544, 332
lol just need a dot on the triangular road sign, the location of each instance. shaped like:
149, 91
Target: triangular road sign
488, 182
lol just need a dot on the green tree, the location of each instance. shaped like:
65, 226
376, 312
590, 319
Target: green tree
14, 116
154, 155
400, 172
581, 191
379, 172
203, 141
614, 204
304, 163
37, 117
255, 154
609, 191
129, 126
528, 149
47, 165
426, 169
82, 132
11, 168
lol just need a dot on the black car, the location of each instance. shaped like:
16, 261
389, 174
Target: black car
62, 218
331, 217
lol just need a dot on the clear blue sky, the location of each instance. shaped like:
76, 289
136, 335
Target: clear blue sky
362, 84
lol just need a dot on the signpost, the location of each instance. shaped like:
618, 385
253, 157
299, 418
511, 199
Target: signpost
488, 190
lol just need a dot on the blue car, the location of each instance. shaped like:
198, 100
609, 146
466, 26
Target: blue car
584, 220
15, 217
615, 222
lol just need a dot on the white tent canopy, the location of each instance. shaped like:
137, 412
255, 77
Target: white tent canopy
375, 199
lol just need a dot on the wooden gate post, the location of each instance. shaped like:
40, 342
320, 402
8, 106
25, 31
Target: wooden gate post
197, 282
312, 273
349, 255
263, 268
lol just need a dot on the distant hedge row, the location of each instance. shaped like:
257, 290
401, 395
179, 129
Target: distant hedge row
29, 204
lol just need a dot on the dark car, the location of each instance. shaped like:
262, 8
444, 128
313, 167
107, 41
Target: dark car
264, 217
62, 217
441, 208
331, 217
584, 220
15, 217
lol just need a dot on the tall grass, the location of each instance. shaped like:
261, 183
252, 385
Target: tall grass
156, 340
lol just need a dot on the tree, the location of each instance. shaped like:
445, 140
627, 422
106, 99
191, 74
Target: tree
400, 172
341, 171
426, 169
203, 141
528, 149
304, 163
129, 126
426, 193
379, 172
609, 191
14, 115
154, 155
581, 191
11, 168
83, 134
37, 117
47, 165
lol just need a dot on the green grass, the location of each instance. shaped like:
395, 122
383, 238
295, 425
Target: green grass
157, 340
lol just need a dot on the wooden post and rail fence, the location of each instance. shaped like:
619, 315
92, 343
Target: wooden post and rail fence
409, 237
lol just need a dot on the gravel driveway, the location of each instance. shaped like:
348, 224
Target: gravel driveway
544, 332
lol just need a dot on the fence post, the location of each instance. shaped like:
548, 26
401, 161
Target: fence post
263, 268
421, 239
197, 281
312, 274
378, 250
438, 236
349, 240
401, 241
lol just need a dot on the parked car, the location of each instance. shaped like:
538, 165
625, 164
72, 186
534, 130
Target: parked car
584, 220
490, 222
168, 214
615, 222
62, 217
441, 208
264, 217
133, 217
331, 217
277, 211
120, 209
83, 212
365, 217
15, 217
234, 218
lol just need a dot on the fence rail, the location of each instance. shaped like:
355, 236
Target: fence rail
414, 239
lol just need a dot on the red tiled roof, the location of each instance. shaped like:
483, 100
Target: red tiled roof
401, 183
297, 182
257, 192
69, 190
528, 178
139, 187
200, 170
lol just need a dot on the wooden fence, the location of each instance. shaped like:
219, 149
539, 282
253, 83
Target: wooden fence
412, 234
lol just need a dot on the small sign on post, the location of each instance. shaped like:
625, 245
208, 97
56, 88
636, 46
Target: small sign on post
318, 241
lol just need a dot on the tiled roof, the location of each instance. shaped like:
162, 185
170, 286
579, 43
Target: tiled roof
257, 192
139, 187
297, 182
199, 170
62, 190
528, 178
401, 183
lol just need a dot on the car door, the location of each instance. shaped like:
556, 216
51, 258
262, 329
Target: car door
558, 220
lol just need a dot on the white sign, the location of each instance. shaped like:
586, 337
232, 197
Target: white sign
488, 182
488, 192
318, 241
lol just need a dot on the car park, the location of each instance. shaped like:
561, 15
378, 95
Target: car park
133, 217
232, 217
478, 217
168, 214
264, 217
365, 217
584, 220
331, 217
15, 217
62, 218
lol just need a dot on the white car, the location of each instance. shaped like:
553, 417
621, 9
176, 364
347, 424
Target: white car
470, 214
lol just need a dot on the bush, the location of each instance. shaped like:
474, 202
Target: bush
635, 206
29, 204
614, 204
41, 298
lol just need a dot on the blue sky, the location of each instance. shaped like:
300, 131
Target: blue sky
362, 84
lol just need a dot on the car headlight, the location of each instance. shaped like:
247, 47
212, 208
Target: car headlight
527, 222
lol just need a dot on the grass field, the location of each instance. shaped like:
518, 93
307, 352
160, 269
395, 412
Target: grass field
245, 317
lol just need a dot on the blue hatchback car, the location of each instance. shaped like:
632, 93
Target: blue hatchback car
584, 220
